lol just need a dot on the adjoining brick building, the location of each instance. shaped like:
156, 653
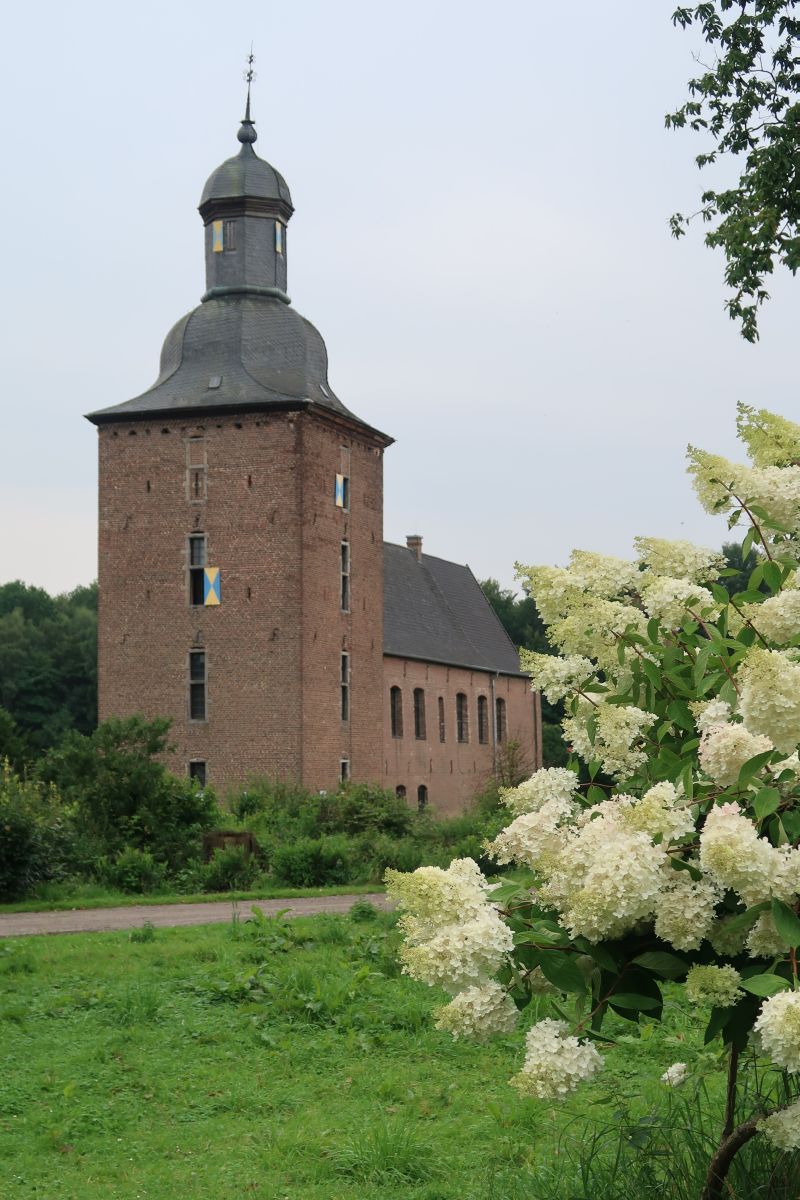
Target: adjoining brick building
245, 588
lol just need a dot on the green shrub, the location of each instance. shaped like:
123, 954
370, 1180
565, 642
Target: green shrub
361, 806
35, 834
230, 869
133, 870
314, 862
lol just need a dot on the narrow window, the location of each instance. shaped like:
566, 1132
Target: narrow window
344, 770
341, 492
400, 791
441, 719
278, 238
422, 797
419, 714
230, 235
345, 577
500, 714
197, 771
345, 687
462, 718
197, 685
196, 470
197, 563
483, 720
216, 236
396, 711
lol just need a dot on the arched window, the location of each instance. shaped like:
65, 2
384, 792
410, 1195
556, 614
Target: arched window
500, 714
441, 719
419, 714
400, 791
462, 718
422, 797
483, 720
396, 710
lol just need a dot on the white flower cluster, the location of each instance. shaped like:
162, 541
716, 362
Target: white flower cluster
555, 1062
771, 441
534, 839
479, 1012
782, 1128
657, 813
708, 713
724, 749
674, 601
605, 879
769, 701
675, 1075
778, 617
549, 784
592, 626
714, 985
453, 937
685, 912
602, 575
555, 676
733, 854
721, 484
616, 742
678, 560
778, 1027
763, 940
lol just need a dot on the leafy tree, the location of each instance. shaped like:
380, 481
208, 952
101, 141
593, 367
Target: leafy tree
48, 662
742, 564
747, 102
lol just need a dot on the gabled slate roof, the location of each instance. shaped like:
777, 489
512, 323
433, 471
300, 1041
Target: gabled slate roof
434, 610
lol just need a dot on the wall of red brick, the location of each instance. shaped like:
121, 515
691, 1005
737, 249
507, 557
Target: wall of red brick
452, 771
273, 645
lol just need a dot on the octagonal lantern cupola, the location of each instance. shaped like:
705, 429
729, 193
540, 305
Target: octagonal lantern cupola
245, 208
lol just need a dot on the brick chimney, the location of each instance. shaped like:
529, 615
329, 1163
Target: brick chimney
414, 543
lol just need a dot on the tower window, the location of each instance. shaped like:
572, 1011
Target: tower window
230, 235
345, 578
441, 719
278, 237
396, 711
197, 771
483, 720
196, 469
345, 686
419, 714
217, 236
341, 492
462, 718
197, 685
422, 797
197, 563
344, 770
500, 716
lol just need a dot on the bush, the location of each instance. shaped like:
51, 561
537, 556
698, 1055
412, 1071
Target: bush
314, 862
230, 869
124, 797
133, 870
361, 806
36, 834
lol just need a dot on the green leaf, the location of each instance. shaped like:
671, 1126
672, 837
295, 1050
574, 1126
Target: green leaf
753, 766
766, 802
679, 712
653, 629
634, 1001
653, 674
561, 971
765, 985
773, 576
595, 795
744, 921
668, 966
603, 957
719, 1016
787, 923
754, 582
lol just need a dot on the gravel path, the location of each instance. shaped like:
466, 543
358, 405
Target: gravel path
101, 920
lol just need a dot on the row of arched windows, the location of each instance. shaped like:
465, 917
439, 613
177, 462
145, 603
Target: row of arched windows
462, 716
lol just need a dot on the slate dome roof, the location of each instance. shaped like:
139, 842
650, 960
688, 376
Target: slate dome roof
246, 175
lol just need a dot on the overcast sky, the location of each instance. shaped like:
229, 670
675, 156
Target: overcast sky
480, 234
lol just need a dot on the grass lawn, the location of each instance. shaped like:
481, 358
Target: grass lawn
280, 1060
63, 897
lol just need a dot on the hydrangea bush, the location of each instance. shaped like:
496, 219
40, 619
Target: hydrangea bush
668, 850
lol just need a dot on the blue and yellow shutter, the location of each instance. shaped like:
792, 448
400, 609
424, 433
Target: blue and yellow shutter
211, 592
338, 492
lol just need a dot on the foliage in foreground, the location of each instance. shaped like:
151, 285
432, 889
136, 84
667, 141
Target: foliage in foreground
671, 853
272, 1058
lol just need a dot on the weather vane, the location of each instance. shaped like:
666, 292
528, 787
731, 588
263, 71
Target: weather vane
249, 75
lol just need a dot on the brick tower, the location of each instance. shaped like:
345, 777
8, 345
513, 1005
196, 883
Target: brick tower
241, 542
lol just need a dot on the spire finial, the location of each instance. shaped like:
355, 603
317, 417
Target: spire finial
247, 132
